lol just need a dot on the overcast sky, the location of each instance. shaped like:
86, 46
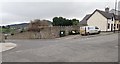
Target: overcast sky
20, 11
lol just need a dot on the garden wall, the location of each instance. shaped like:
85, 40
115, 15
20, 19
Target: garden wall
46, 33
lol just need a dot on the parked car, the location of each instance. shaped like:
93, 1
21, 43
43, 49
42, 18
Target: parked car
86, 30
73, 32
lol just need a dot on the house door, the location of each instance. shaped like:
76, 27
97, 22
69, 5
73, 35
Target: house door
111, 27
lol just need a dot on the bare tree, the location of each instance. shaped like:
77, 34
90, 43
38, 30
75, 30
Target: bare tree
37, 25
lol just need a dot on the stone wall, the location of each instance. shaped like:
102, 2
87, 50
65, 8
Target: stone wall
2, 38
46, 33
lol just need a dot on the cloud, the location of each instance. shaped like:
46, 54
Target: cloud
119, 6
58, 0
25, 11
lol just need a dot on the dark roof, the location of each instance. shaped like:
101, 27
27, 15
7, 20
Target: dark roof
116, 17
84, 20
105, 14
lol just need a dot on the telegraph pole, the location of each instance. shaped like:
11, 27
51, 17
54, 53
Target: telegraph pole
115, 15
119, 16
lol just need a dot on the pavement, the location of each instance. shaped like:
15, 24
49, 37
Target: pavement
92, 48
80, 36
6, 46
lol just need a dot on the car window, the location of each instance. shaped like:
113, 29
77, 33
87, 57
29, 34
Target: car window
90, 28
96, 28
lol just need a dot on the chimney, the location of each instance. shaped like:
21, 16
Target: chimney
107, 10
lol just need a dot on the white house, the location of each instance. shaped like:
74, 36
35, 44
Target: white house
103, 19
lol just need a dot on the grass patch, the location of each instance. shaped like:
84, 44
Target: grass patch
6, 30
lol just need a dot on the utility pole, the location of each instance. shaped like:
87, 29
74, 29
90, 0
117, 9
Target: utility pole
119, 16
115, 15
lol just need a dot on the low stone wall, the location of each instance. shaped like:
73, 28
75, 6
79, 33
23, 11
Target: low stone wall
2, 38
24, 35
46, 33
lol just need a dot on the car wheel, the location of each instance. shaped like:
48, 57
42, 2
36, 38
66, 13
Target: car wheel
88, 33
98, 32
82, 34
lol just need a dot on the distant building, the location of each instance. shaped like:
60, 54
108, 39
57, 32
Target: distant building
105, 20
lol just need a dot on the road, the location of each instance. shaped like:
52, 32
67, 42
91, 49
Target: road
72, 49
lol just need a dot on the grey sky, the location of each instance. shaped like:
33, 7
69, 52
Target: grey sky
19, 12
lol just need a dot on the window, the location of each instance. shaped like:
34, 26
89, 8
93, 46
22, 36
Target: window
90, 28
114, 25
117, 25
96, 28
108, 26
112, 18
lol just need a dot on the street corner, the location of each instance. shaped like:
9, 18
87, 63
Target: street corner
7, 46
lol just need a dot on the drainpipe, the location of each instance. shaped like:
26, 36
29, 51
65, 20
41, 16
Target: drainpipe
107, 26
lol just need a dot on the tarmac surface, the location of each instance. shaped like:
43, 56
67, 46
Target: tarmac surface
92, 48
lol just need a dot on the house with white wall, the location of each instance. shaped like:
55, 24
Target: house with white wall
105, 20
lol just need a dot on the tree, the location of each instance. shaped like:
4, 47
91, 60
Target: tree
60, 21
75, 22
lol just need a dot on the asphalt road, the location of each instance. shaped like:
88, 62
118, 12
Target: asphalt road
93, 48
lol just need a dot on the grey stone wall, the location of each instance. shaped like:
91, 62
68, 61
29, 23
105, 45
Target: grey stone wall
46, 33
2, 38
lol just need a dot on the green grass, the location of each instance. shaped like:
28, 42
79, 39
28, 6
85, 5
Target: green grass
6, 30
